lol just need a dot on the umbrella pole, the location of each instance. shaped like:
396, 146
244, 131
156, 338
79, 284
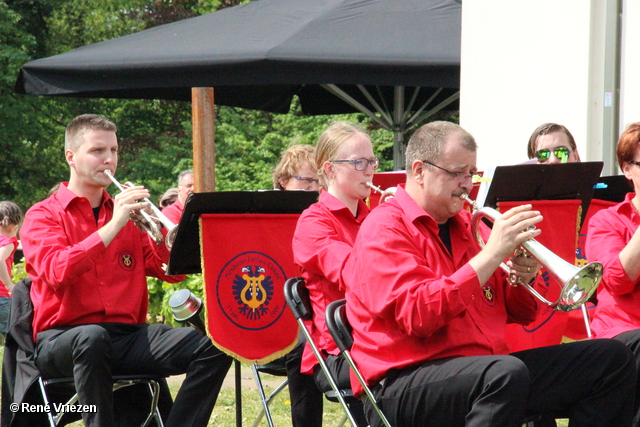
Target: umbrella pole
204, 139
398, 128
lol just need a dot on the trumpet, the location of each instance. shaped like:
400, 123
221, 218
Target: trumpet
149, 222
384, 194
577, 284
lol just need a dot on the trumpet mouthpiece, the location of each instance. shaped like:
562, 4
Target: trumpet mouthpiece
373, 187
465, 197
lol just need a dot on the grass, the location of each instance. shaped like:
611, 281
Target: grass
224, 413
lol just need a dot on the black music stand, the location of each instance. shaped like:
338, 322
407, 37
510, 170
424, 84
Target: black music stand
185, 252
527, 182
612, 188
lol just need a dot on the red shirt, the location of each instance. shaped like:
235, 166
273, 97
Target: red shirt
618, 308
322, 243
410, 301
5, 241
174, 212
76, 279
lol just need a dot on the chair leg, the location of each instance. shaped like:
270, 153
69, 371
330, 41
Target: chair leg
45, 398
154, 412
265, 403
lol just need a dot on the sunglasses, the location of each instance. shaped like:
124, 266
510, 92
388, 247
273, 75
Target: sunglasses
561, 153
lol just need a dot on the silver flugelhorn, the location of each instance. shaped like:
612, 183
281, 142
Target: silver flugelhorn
384, 194
576, 284
149, 221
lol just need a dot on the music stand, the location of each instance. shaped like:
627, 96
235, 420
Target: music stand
527, 182
612, 188
185, 253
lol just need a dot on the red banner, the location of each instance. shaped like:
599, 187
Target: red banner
246, 258
576, 329
559, 234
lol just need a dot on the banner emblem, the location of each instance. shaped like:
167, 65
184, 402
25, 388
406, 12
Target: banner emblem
245, 290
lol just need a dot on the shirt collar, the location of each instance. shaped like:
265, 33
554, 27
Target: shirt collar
66, 196
335, 205
626, 207
414, 212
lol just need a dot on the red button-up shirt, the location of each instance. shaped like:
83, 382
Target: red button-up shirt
322, 243
174, 211
76, 279
610, 230
410, 301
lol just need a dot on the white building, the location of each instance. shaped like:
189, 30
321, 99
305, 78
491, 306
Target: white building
527, 62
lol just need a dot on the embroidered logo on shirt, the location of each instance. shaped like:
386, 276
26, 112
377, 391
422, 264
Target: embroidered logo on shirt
489, 295
245, 290
126, 260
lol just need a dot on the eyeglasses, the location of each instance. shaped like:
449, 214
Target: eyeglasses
361, 164
306, 180
472, 176
561, 153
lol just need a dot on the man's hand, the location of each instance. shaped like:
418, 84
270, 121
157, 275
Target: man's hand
123, 204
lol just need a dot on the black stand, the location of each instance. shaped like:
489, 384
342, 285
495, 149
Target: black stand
528, 182
185, 254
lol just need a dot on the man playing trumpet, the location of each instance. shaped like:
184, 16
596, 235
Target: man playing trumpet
88, 263
429, 307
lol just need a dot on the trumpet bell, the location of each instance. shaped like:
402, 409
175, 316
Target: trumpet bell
580, 287
577, 284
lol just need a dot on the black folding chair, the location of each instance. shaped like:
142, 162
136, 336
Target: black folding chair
276, 368
341, 332
152, 384
297, 297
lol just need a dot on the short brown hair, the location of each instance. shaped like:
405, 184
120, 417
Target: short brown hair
81, 124
628, 143
428, 141
545, 129
293, 158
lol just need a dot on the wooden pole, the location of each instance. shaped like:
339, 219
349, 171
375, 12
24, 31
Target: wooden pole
204, 139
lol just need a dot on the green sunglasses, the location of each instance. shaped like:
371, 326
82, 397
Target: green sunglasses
561, 153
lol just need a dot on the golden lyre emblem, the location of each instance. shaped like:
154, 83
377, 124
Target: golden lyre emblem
253, 291
488, 293
126, 260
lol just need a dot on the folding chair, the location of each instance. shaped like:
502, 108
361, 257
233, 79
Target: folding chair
297, 297
119, 382
276, 368
341, 331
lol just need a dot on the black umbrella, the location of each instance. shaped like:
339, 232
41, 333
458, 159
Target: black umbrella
396, 60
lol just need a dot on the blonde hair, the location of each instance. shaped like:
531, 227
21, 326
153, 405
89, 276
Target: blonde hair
81, 124
330, 141
10, 214
292, 159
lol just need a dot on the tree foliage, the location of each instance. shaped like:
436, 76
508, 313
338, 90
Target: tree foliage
154, 135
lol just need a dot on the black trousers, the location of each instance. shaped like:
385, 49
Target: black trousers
340, 371
590, 382
632, 340
306, 397
93, 353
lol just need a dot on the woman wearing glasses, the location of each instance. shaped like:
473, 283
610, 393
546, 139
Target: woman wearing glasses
613, 239
553, 143
325, 234
296, 170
